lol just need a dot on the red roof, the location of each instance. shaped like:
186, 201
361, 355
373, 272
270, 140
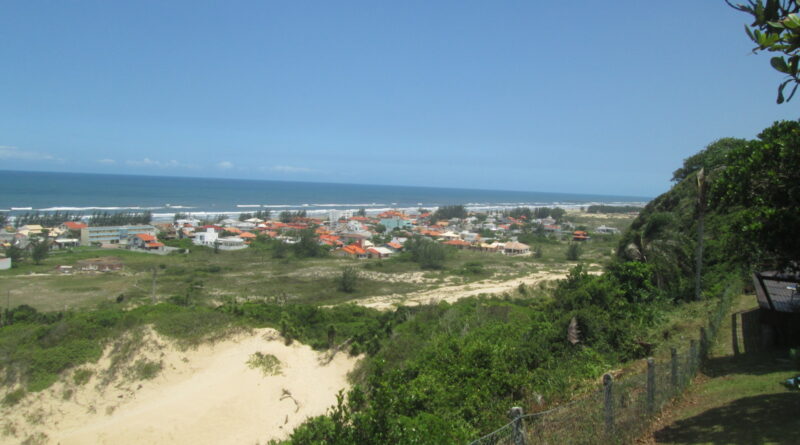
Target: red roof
395, 246
456, 242
155, 244
145, 237
246, 235
72, 225
353, 249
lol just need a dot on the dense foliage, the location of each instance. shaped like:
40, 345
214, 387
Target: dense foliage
449, 212
603, 208
48, 219
120, 218
759, 191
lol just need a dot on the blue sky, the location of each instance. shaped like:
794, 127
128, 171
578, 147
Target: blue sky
584, 97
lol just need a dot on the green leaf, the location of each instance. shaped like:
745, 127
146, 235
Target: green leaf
779, 64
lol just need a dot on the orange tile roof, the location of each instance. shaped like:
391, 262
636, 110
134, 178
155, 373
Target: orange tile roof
73, 225
155, 244
456, 242
145, 237
354, 249
394, 245
246, 235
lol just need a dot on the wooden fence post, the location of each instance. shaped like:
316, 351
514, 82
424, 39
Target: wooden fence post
651, 385
519, 429
608, 403
735, 335
703, 345
673, 355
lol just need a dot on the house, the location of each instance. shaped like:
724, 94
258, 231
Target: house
210, 238
514, 248
395, 222
580, 235
104, 264
121, 235
247, 236
395, 246
607, 230
457, 243
73, 225
63, 243
379, 252
352, 251
64, 269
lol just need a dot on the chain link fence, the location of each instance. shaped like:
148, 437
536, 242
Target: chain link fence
621, 410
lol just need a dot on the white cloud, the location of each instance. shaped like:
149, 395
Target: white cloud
9, 152
147, 162
106, 161
225, 165
290, 169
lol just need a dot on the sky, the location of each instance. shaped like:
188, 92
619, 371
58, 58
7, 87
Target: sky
579, 97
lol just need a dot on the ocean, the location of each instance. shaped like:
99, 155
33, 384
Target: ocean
22, 192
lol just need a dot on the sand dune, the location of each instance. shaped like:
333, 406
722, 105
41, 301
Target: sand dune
204, 396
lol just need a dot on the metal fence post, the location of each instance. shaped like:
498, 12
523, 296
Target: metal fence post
519, 430
651, 385
608, 403
673, 354
692, 357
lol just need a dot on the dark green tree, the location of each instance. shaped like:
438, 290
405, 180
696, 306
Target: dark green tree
15, 253
40, 249
348, 279
760, 193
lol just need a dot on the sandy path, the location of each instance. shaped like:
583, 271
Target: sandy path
457, 292
204, 396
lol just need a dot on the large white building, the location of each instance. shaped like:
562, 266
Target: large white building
210, 238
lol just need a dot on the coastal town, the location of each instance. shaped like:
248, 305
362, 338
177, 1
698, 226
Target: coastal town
351, 234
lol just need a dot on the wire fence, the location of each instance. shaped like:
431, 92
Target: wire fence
621, 410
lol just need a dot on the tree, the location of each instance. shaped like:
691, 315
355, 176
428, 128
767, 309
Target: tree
348, 279
308, 247
40, 248
710, 158
760, 193
573, 252
15, 253
776, 28
429, 254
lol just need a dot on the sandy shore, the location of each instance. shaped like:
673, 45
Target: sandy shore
204, 396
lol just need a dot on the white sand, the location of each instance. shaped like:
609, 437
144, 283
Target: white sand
456, 292
204, 396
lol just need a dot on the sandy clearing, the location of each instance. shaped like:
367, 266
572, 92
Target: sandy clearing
204, 396
457, 292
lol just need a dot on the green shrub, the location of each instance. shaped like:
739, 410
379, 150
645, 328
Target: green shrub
267, 363
144, 369
14, 397
82, 376
348, 279
573, 252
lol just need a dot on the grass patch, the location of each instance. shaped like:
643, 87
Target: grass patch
14, 397
144, 369
267, 363
81, 376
